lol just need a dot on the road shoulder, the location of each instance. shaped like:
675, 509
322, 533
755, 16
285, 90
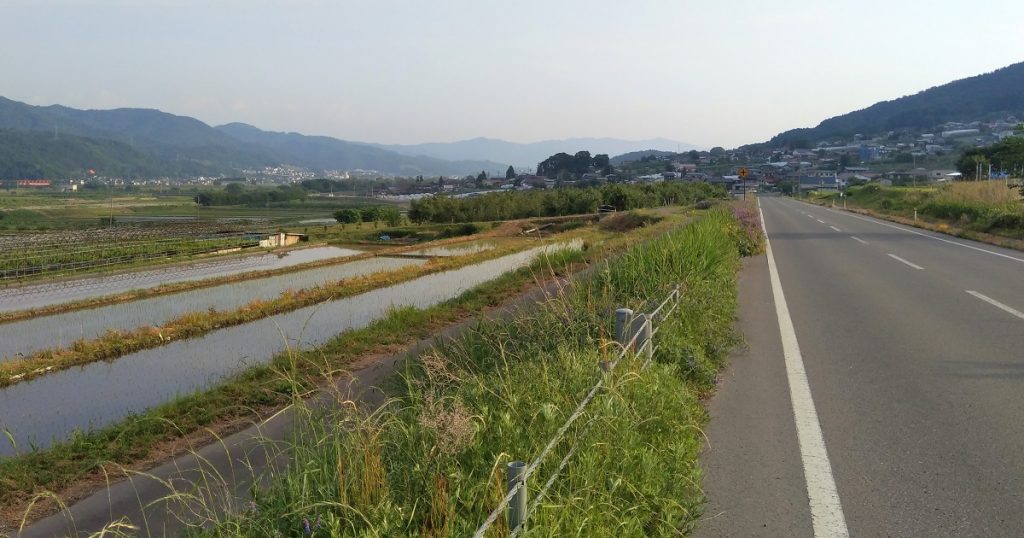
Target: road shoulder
753, 475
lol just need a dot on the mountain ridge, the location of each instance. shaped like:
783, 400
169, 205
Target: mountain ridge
979, 97
161, 143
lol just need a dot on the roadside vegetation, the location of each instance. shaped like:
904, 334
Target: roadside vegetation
431, 461
194, 419
969, 208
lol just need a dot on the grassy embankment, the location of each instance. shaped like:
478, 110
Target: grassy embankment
431, 462
173, 428
985, 210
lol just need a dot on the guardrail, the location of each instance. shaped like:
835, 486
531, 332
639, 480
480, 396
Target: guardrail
634, 332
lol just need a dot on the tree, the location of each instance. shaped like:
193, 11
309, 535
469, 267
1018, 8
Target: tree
694, 156
348, 216
582, 162
391, 215
480, 178
510, 173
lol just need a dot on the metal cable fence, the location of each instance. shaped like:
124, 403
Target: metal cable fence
635, 333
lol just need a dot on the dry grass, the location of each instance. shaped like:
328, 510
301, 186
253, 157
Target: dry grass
989, 192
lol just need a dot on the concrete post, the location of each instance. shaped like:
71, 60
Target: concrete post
517, 508
623, 322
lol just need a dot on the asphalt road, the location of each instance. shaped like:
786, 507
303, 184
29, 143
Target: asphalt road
913, 348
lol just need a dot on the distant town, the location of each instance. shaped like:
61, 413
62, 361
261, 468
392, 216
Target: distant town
895, 157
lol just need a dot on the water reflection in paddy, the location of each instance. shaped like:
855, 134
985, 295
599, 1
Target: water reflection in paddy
52, 407
60, 330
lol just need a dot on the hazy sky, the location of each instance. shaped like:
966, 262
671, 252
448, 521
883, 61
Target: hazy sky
711, 73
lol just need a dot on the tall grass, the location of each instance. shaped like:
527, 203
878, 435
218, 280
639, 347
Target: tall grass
982, 206
430, 462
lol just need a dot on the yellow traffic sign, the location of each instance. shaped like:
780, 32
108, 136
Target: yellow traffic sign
744, 172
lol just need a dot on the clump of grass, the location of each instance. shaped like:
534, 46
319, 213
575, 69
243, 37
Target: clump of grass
431, 461
623, 222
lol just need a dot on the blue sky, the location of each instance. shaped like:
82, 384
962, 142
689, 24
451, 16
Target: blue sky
706, 72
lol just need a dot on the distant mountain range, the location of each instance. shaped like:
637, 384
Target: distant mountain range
57, 141
989, 96
528, 155
326, 153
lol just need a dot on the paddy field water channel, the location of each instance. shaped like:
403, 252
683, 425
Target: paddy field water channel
61, 330
49, 409
54, 293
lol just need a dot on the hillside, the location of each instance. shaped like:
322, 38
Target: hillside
38, 155
528, 155
637, 155
58, 141
987, 96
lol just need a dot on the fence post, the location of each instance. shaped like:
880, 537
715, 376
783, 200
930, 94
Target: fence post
517, 508
623, 323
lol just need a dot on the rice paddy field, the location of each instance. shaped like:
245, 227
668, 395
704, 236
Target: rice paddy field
268, 340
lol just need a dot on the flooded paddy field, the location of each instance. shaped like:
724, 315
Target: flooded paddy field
28, 336
54, 293
51, 408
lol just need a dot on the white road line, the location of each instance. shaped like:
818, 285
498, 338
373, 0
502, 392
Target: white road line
834, 228
859, 240
997, 304
826, 510
957, 243
914, 265
821, 221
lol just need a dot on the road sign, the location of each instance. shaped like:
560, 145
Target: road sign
743, 173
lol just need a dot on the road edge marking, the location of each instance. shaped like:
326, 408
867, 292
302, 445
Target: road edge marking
826, 510
997, 304
901, 260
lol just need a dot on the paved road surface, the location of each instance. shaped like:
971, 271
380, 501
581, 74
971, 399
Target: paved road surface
913, 348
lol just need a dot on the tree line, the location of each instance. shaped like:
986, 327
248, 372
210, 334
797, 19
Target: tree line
1007, 155
238, 194
565, 166
557, 202
388, 214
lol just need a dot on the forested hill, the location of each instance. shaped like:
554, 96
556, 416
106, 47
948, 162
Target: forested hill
58, 142
992, 95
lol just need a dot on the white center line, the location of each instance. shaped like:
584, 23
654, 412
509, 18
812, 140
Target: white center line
810, 216
914, 265
821, 221
827, 516
859, 240
997, 304
834, 228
